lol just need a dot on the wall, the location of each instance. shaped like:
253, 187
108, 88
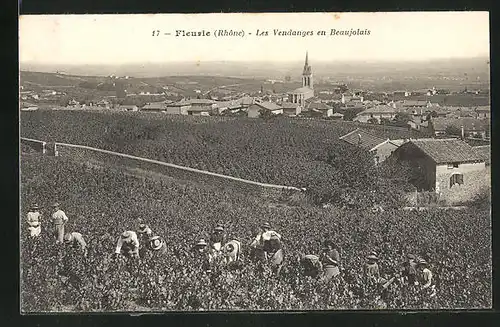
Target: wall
36, 145
476, 180
385, 150
443, 173
85, 153
253, 111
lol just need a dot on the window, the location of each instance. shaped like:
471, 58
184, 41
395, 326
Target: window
452, 165
456, 179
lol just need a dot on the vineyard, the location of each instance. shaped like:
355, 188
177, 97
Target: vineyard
300, 153
102, 202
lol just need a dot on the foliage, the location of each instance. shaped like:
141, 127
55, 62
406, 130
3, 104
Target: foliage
453, 130
293, 152
101, 203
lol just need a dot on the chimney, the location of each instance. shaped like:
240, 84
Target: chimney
463, 133
359, 138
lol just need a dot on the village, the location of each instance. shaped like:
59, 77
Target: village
453, 140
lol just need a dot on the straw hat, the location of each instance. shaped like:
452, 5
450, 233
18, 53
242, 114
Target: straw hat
201, 242
126, 235
219, 228
34, 207
266, 225
156, 242
68, 237
372, 257
56, 204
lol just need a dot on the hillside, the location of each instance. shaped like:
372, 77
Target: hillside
102, 202
299, 153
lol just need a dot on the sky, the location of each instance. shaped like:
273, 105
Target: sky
128, 39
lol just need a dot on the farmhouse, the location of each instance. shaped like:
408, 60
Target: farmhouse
483, 112
254, 110
201, 107
380, 148
155, 107
377, 112
291, 109
440, 164
178, 108
320, 109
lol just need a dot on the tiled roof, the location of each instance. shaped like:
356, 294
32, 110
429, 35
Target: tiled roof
269, 105
483, 108
154, 106
484, 151
362, 138
470, 124
447, 150
380, 109
413, 103
201, 101
302, 90
318, 106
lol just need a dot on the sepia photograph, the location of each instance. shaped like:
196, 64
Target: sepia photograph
255, 162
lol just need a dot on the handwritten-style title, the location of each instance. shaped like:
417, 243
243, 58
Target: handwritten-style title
224, 33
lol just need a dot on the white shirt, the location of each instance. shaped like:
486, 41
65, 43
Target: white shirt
133, 241
59, 217
427, 277
33, 218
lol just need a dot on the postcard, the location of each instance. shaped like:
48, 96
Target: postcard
255, 162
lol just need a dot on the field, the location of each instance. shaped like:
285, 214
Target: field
102, 202
299, 153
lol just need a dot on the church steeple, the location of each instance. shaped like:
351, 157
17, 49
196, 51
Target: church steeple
307, 73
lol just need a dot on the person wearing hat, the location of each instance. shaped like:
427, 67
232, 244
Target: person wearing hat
311, 265
232, 251
59, 219
34, 217
426, 277
144, 234
409, 271
217, 238
201, 251
330, 259
76, 240
157, 244
128, 244
371, 269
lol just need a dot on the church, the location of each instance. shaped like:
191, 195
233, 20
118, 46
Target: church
305, 92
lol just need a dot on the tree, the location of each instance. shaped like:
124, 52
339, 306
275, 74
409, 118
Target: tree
453, 130
401, 119
265, 114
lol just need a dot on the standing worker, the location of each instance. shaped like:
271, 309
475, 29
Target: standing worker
144, 235
76, 240
330, 259
33, 218
371, 269
128, 244
59, 219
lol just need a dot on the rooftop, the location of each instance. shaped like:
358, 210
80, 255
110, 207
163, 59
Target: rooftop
447, 150
440, 123
318, 106
380, 109
268, 105
362, 138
